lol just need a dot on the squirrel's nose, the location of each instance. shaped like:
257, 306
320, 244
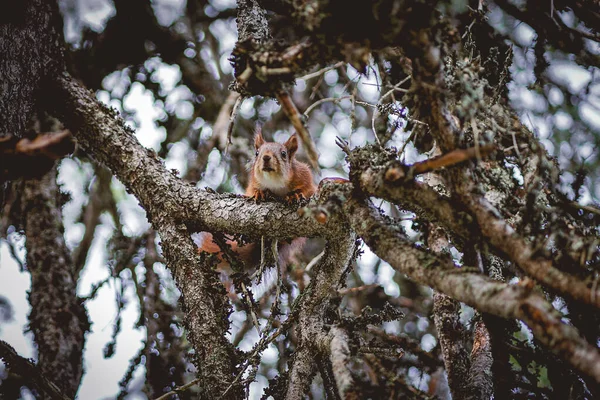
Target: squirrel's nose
266, 158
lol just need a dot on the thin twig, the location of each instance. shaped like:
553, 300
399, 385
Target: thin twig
476, 138
322, 71
396, 88
292, 113
277, 300
452, 158
346, 291
317, 103
258, 348
314, 261
261, 267
375, 113
222, 125
515, 145
179, 389
265, 341
234, 112
406, 142
250, 305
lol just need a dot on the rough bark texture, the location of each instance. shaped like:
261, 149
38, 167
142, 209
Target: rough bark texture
457, 67
58, 320
508, 301
23, 367
161, 194
451, 335
315, 307
206, 313
252, 21
30, 50
340, 362
481, 382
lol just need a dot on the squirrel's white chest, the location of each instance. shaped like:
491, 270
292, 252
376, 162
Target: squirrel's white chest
276, 184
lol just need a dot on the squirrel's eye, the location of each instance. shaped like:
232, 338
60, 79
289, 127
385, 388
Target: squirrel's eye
284, 154
256, 153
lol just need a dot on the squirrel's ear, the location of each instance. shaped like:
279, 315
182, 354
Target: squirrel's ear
258, 139
292, 145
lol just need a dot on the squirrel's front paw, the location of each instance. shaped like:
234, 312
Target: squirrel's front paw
258, 195
294, 197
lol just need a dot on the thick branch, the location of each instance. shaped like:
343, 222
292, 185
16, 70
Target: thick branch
451, 333
481, 382
206, 310
478, 291
340, 361
104, 135
301, 373
374, 178
446, 314
328, 276
170, 202
58, 320
29, 371
30, 50
419, 197
504, 238
429, 81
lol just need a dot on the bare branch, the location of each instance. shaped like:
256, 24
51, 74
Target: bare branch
481, 384
58, 320
101, 132
340, 361
329, 273
29, 371
451, 334
503, 237
482, 293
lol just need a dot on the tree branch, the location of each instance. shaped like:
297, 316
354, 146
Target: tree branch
504, 238
58, 319
374, 177
450, 331
340, 361
206, 310
163, 195
103, 134
451, 335
474, 289
329, 273
481, 382
29, 371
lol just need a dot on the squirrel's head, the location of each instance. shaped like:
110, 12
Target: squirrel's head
272, 166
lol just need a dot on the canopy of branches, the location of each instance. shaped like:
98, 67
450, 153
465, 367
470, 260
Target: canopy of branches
452, 247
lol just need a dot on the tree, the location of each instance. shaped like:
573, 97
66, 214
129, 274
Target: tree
491, 240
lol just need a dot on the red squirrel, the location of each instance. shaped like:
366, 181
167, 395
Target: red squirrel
274, 171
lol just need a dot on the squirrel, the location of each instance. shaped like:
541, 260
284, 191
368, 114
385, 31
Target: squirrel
274, 172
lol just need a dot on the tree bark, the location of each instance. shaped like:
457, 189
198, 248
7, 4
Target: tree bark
31, 49
507, 301
58, 319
